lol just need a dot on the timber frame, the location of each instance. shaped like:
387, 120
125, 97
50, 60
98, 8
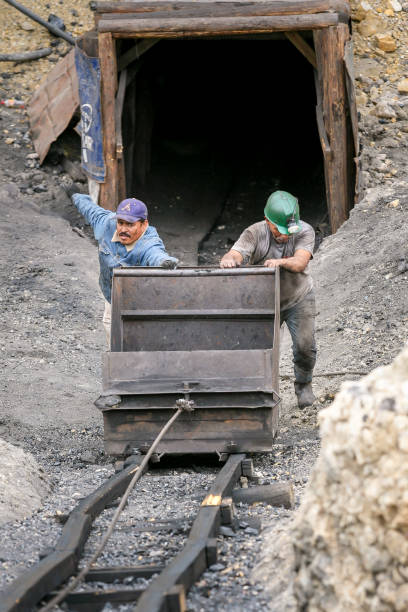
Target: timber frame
149, 21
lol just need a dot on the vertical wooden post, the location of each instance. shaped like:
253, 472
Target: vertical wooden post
108, 197
329, 46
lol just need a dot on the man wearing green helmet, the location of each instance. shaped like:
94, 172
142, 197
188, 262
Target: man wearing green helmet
283, 240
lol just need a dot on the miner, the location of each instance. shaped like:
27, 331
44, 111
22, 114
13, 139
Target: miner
283, 240
125, 238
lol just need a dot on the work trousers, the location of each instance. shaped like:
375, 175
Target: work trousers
300, 320
106, 320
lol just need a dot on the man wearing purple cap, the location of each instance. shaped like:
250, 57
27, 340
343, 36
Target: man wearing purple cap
125, 239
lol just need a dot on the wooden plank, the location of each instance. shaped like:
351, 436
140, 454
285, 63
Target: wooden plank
277, 494
352, 105
301, 45
51, 571
101, 597
329, 47
205, 13
120, 98
232, 7
175, 28
192, 560
135, 52
94, 503
110, 574
108, 197
29, 588
176, 599
212, 551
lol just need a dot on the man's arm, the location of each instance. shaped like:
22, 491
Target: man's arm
94, 214
232, 259
297, 263
154, 254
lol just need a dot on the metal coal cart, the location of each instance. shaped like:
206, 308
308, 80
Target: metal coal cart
208, 334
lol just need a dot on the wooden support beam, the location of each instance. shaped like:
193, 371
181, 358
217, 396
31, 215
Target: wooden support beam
209, 26
135, 52
211, 551
120, 99
108, 197
329, 47
110, 574
278, 494
175, 599
301, 45
226, 8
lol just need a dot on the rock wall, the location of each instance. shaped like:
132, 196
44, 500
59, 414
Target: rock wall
380, 36
350, 535
23, 484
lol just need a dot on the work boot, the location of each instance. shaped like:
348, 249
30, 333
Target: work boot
304, 393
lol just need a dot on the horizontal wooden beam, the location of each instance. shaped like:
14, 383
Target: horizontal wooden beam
225, 7
177, 28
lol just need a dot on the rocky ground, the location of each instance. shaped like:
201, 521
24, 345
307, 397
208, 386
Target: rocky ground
51, 306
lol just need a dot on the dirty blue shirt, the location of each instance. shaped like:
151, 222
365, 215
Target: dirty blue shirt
148, 250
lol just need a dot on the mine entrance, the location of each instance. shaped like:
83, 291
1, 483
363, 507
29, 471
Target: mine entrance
210, 123
222, 100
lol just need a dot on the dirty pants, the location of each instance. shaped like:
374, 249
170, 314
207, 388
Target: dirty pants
300, 320
106, 320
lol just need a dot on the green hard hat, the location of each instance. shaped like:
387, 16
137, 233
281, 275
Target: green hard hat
282, 209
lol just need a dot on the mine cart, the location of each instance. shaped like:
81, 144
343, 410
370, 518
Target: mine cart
206, 334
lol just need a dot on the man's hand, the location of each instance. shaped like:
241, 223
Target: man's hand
168, 264
71, 189
232, 259
272, 263
228, 262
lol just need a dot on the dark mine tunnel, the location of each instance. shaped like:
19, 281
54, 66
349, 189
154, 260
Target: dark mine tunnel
213, 126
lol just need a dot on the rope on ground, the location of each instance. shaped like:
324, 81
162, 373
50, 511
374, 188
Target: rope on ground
328, 374
181, 406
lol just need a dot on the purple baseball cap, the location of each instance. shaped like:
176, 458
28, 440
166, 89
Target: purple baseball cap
131, 210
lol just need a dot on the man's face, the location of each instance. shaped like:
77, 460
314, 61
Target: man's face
280, 238
129, 232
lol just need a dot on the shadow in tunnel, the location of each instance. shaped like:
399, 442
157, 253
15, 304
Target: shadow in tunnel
211, 127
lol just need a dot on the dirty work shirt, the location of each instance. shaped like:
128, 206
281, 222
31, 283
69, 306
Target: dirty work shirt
257, 244
148, 250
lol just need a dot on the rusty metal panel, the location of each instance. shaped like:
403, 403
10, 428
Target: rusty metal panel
192, 309
205, 371
203, 431
53, 104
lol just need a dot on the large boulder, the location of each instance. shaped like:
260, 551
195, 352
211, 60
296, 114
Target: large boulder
23, 484
350, 535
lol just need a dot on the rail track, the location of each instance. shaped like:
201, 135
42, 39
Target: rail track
167, 591
227, 359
